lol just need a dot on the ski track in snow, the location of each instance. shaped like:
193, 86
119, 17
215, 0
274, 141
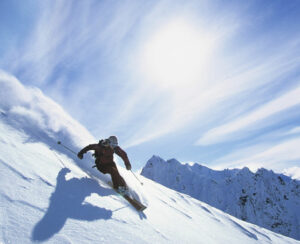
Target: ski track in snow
261, 234
244, 230
45, 181
54, 223
12, 169
48, 195
22, 203
176, 209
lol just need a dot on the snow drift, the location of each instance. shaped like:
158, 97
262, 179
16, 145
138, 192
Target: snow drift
48, 195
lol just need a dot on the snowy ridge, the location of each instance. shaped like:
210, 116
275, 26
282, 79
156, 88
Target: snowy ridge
47, 195
264, 198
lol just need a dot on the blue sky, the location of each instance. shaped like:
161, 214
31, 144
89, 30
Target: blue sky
213, 82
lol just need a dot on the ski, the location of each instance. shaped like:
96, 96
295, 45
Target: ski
135, 203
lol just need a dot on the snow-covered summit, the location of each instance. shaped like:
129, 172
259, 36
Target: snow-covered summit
47, 195
263, 198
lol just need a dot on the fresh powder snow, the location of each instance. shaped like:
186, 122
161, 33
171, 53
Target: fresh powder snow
48, 195
264, 198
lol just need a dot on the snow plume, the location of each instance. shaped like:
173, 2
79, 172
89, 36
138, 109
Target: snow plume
293, 172
47, 196
43, 202
28, 109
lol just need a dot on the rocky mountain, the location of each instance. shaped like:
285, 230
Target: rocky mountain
263, 198
48, 195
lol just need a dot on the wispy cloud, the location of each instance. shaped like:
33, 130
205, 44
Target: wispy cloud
225, 132
74, 53
278, 157
88, 56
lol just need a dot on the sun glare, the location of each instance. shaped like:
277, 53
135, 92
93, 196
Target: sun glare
175, 56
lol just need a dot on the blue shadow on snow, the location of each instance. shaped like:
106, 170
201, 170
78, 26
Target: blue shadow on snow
67, 202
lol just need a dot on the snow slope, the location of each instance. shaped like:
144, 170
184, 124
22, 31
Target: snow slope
48, 195
264, 198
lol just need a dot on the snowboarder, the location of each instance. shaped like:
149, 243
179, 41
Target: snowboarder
104, 160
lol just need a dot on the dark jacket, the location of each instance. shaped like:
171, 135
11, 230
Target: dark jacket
105, 154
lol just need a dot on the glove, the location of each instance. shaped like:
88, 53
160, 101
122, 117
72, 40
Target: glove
80, 155
128, 166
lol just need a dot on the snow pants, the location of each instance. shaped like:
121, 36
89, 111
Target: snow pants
112, 169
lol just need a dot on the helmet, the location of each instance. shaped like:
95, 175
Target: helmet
113, 141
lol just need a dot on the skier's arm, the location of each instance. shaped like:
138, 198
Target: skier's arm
61, 175
120, 152
85, 149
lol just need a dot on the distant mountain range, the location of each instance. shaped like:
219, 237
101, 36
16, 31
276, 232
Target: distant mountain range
263, 198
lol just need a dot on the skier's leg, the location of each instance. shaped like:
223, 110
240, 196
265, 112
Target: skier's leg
111, 169
117, 179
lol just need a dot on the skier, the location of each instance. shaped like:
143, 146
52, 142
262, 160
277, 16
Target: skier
104, 161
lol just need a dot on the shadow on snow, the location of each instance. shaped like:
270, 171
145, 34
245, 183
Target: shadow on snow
67, 202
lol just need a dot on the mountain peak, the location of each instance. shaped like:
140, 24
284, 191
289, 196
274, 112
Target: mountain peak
263, 198
48, 194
